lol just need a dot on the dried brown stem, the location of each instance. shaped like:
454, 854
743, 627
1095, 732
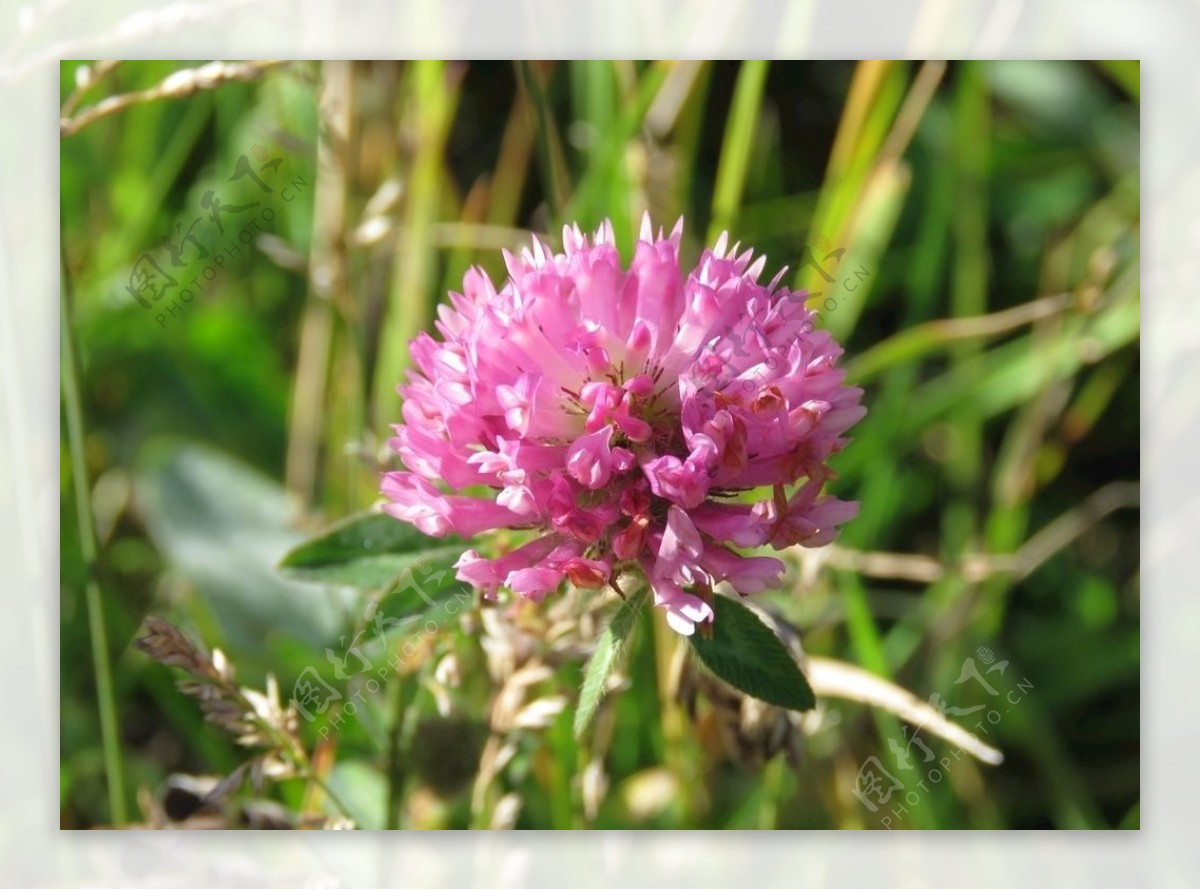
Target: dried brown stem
976, 567
180, 84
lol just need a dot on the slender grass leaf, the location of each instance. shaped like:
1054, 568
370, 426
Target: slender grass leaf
737, 146
608, 652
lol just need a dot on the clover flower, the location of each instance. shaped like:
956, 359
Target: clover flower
621, 414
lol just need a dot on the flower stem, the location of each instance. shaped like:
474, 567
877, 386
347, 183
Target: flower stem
88, 546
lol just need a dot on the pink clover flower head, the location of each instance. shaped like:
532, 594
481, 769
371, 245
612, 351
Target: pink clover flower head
618, 413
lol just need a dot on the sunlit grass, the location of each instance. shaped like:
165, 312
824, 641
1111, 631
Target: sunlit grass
972, 235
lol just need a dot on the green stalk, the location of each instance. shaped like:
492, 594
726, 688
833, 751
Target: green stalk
87, 539
555, 195
735, 149
406, 689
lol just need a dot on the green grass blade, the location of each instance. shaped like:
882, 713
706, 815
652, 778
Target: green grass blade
608, 652
106, 701
735, 149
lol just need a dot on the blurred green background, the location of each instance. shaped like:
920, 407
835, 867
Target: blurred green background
973, 231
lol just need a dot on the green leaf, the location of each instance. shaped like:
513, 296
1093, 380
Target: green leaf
223, 526
745, 653
421, 589
369, 551
362, 788
604, 659
408, 573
